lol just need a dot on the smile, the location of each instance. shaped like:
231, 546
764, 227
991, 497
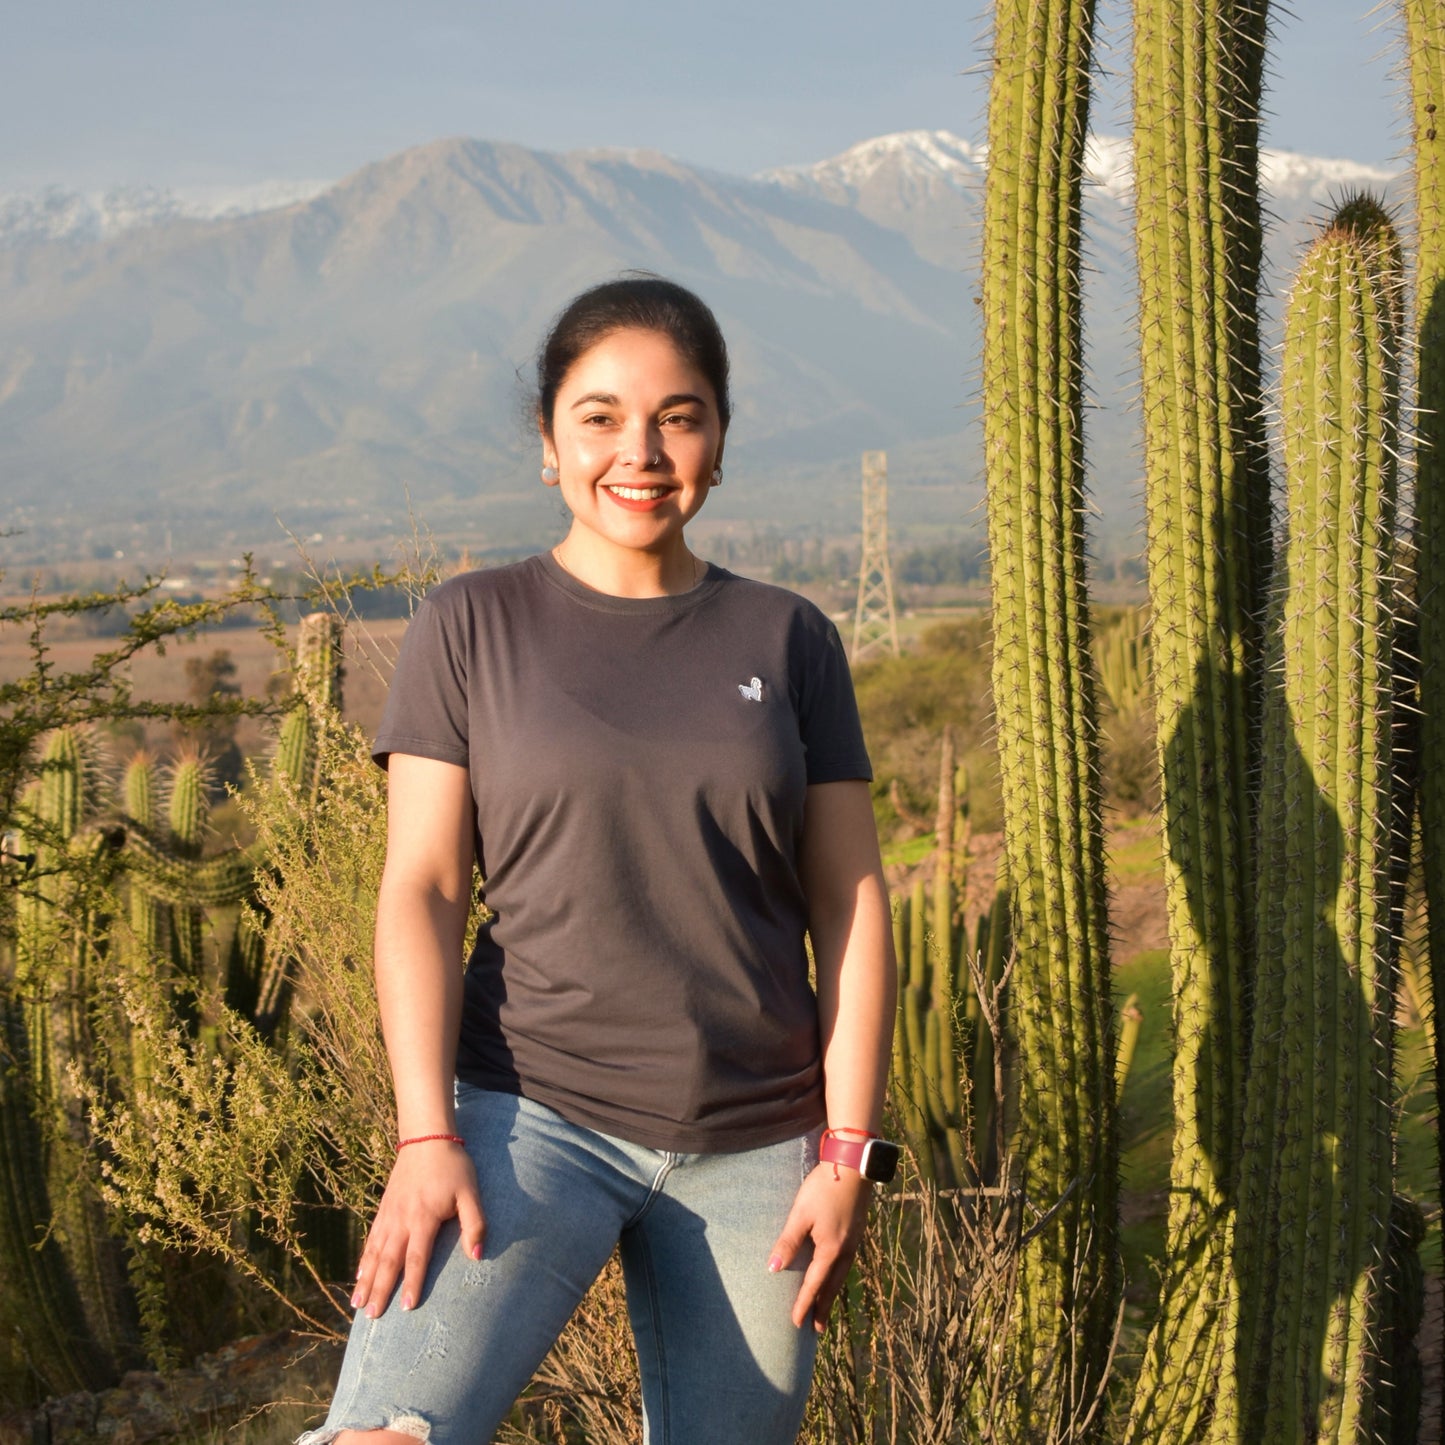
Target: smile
638, 494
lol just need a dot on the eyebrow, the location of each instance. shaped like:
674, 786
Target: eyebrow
606, 398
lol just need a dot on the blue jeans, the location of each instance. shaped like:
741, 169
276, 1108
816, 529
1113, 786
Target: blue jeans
721, 1361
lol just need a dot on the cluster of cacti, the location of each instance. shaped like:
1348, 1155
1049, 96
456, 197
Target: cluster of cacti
1278, 732
118, 881
1043, 689
944, 1082
943, 1079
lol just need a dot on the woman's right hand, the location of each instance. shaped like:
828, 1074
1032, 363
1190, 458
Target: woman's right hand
430, 1183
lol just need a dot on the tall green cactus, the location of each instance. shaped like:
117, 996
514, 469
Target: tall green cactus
1197, 69
82, 1275
318, 686
1424, 22
1043, 691
1315, 1181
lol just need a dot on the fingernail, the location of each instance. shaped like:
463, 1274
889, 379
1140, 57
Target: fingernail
775, 1264
476, 1251
356, 1299
372, 1312
406, 1301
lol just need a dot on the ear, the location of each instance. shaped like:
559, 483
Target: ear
549, 455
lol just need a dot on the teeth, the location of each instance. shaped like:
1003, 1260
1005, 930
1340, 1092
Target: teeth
638, 494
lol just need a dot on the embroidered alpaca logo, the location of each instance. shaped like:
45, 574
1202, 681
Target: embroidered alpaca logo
753, 691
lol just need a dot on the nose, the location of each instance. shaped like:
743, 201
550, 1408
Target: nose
641, 447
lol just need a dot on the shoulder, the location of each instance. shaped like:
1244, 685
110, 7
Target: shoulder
469, 590
461, 605
779, 606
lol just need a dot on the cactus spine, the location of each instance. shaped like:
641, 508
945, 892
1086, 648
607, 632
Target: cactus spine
1316, 1178
1424, 25
1197, 69
1044, 698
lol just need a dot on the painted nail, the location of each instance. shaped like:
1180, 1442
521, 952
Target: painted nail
476, 1251
775, 1264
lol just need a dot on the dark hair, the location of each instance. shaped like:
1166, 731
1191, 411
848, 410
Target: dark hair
641, 301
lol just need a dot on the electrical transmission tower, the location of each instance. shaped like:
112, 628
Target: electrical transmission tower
874, 624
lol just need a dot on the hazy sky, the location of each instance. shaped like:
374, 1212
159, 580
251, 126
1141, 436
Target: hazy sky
190, 91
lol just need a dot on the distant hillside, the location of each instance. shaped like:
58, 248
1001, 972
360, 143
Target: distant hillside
206, 361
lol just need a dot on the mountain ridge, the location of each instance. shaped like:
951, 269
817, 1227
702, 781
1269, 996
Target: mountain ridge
333, 353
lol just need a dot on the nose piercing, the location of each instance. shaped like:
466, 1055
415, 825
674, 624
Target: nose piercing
655, 460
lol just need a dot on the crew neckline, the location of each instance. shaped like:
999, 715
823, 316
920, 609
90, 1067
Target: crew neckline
555, 573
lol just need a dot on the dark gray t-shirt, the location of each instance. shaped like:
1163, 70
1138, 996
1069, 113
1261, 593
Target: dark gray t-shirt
639, 768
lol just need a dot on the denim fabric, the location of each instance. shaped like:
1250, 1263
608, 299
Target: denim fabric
721, 1361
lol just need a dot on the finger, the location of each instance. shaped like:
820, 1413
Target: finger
788, 1243
366, 1266
383, 1281
806, 1304
473, 1223
829, 1291
418, 1256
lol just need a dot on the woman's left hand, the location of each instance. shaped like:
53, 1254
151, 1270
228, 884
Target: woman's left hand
831, 1212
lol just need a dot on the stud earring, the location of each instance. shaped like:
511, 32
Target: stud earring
549, 474
717, 476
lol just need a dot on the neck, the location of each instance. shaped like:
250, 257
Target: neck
623, 572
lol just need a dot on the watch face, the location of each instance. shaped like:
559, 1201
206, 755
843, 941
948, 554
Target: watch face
880, 1160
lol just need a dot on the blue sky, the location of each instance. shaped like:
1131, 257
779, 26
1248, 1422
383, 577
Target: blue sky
193, 91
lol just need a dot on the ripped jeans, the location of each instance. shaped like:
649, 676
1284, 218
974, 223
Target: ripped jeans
721, 1361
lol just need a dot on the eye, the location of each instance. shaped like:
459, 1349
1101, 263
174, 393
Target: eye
679, 419
597, 419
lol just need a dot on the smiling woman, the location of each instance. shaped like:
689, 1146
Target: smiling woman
635, 444
659, 771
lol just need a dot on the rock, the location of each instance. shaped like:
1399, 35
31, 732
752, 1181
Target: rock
217, 1391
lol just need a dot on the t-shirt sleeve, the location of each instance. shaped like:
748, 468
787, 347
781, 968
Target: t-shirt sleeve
828, 715
426, 708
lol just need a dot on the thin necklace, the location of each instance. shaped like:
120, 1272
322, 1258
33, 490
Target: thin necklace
698, 567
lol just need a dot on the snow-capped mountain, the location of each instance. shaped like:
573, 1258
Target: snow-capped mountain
56, 214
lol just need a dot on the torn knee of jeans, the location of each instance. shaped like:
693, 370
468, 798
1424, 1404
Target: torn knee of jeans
409, 1423
404, 1422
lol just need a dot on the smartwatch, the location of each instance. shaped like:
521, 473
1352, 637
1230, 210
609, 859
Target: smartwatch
874, 1158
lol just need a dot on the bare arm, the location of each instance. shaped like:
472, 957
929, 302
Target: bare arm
851, 929
421, 916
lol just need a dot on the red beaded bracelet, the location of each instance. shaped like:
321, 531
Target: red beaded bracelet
427, 1138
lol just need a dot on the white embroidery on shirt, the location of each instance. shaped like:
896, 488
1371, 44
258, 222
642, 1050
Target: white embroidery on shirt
752, 691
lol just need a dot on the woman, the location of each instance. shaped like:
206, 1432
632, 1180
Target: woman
658, 769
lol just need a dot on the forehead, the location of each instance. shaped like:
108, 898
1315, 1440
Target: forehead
636, 359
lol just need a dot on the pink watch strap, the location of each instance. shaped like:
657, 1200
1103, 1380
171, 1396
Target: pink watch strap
837, 1147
